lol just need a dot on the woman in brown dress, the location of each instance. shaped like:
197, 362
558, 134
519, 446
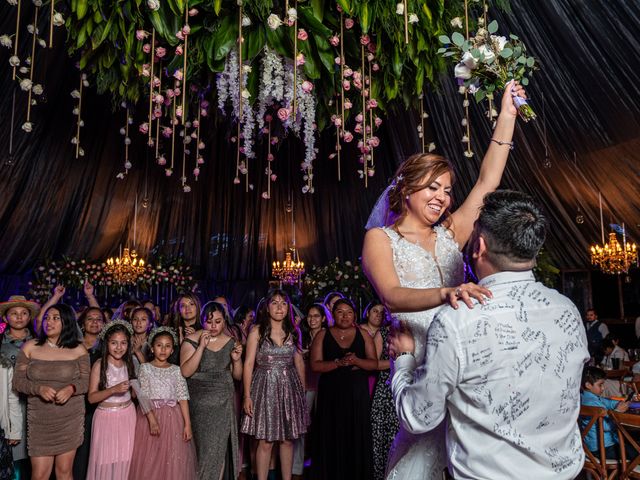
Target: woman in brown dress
54, 372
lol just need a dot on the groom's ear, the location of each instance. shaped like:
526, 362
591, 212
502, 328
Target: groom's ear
480, 247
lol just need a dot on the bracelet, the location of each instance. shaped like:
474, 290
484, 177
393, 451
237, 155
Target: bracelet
402, 354
500, 142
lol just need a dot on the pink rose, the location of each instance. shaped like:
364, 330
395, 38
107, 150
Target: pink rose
348, 72
346, 85
300, 59
373, 103
145, 70
348, 23
302, 34
274, 177
372, 47
144, 127
141, 35
334, 41
146, 48
358, 128
204, 103
193, 12
337, 60
357, 83
200, 161
196, 124
347, 104
359, 118
377, 121
375, 67
270, 157
283, 114
161, 52
374, 141
365, 40
177, 74
157, 113
196, 171
166, 132
180, 35
176, 91
179, 50
162, 160
170, 93
236, 181
265, 195
348, 136
307, 86
156, 82
370, 57
178, 111
186, 30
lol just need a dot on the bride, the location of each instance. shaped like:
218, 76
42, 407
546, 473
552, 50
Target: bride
415, 264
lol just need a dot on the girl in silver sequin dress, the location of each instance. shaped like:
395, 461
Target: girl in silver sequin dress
274, 399
415, 264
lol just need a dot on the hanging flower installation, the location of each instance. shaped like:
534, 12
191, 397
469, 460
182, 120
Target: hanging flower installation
308, 65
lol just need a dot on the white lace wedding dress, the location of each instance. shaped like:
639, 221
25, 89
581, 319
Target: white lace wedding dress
423, 456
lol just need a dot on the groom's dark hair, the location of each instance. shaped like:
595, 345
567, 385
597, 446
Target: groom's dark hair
513, 227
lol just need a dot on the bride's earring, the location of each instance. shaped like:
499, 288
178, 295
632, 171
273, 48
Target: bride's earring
406, 197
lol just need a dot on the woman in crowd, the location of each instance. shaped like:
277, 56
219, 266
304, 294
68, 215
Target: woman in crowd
19, 314
185, 315
91, 322
415, 264
11, 432
141, 321
123, 312
384, 420
155, 310
114, 421
54, 372
343, 356
163, 446
274, 404
372, 319
329, 300
314, 321
243, 320
210, 360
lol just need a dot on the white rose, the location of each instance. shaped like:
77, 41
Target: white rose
37, 89
292, 13
42, 43
400, 8
489, 56
26, 84
27, 126
75, 94
413, 18
153, 4
12, 2
246, 21
456, 22
246, 94
58, 20
23, 70
246, 69
469, 60
462, 71
498, 42
37, 3
274, 21
5, 41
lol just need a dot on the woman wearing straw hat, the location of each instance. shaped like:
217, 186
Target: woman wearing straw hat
18, 313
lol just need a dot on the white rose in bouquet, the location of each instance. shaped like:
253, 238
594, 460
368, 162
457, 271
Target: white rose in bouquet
469, 60
274, 21
462, 71
153, 4
488, 54
498, 42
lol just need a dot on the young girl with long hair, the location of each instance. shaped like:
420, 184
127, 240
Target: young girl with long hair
163, 446
114, 421
273, 377
142, 322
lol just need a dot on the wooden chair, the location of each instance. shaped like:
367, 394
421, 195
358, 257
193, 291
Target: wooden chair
625, 422
598, 466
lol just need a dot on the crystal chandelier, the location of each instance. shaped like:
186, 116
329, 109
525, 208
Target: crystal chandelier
126, 268
611, 257
291, 268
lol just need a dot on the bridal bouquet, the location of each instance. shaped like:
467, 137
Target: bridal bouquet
486, 62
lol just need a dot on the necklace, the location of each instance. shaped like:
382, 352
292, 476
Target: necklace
51, 344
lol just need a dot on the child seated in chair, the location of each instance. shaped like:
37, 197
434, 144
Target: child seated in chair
593, 379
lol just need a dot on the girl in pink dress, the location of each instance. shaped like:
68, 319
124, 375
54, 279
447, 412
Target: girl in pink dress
164, 448
115, 418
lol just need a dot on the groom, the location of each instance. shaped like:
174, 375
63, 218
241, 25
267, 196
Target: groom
508, 372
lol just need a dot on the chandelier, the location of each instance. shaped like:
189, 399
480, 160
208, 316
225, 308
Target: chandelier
613, 258
290, 270
126, 268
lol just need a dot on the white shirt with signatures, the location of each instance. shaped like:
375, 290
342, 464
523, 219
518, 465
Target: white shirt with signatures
507, 377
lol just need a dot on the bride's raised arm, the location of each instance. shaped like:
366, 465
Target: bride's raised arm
492, 166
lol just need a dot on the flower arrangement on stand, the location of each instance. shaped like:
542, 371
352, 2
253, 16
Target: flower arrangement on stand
72, 273
341, 276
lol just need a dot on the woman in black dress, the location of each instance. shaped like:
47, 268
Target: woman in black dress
342, 432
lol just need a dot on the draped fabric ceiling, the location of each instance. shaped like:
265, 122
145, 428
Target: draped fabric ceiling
587, 91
